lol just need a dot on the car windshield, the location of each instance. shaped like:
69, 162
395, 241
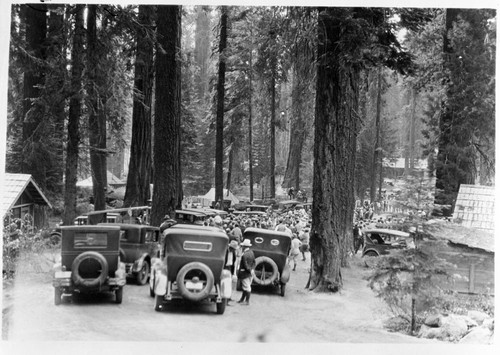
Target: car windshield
93, 240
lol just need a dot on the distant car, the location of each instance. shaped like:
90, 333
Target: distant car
191, 267
90, 262
190, 217
139, 244
379, 241
260, 208
287, 205
249, 213
271, 249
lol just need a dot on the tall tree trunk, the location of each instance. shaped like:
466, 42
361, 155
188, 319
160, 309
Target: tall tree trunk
413, 122
376, 145
97, 121
219, 134
272, 162
300, 125
250, 93
335, 128
139, 173
229, 166
56, 48
202, 51
167, 127
75, 109
35, 17
453, 164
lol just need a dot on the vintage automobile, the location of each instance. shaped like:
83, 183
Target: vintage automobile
271, 249
90, 262
379, 241
210, 212
287, 205
191, 267
190, 217
261, 208
249, 214
139, 244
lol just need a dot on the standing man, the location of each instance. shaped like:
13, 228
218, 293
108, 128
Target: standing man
246, 271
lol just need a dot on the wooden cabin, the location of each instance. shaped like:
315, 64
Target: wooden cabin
22, 198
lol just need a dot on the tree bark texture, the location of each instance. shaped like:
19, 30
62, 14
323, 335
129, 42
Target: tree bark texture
97, 120
301, 123
35, 17
139, 173
376, 144
75, 110
454, 166
219, 133
250, 93
57, 35
166, 148
272, 160
335, 128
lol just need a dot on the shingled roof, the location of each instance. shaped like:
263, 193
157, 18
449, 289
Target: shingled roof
12, 188
475, 207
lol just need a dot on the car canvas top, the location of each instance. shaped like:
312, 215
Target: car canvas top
387, 231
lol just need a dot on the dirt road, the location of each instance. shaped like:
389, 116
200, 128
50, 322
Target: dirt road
353, 316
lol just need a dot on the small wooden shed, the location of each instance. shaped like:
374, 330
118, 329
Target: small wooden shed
22, 198
472, 251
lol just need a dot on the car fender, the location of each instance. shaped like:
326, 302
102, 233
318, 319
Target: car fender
160, 287
285, 274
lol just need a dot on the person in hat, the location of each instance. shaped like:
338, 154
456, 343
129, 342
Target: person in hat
167, 222
246, 271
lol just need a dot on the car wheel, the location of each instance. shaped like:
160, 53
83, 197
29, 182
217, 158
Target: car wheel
55, 238
89, 260
57, 296
158, 303
369, 258
119, 295
143, 274
195, 280
221, 306
282, 289
266, 271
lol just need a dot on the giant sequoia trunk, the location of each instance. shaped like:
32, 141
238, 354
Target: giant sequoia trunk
167, 125
139, 171
97, 119
219, 133
75, 110
334, 158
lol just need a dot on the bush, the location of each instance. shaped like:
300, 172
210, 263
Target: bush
18, 239
406, 281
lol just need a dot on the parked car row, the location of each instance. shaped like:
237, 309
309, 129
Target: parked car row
186, 262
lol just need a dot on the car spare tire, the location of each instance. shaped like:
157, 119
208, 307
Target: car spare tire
89, 269
195, 280
266, 271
